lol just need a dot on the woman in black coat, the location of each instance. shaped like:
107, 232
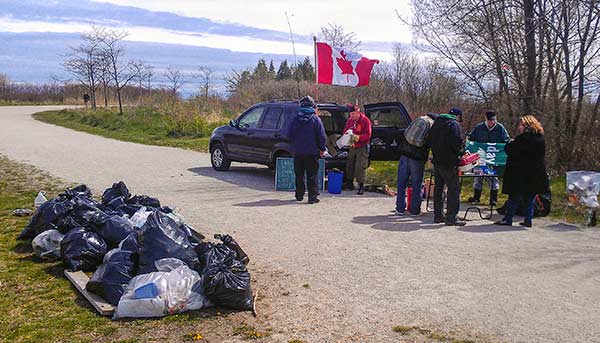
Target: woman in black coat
525, 173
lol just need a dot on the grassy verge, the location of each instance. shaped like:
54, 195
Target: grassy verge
40, 305
139, 125
32, 103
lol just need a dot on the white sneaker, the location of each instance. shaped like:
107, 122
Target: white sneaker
398, 213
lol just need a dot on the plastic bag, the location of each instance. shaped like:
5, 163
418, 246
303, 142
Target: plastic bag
226, 280
117, 190
81, 249
46, 245
173, 289
139, 218
144, 200
161, 237
345, 140
113, 229
110, 280
79, 191
585, 185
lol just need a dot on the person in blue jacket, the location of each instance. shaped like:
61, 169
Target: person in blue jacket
308, 138
488, 131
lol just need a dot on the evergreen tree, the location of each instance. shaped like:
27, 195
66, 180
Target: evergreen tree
272, 72
261, 72
284, 72
308, 72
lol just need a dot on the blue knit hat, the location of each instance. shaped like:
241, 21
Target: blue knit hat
456, 111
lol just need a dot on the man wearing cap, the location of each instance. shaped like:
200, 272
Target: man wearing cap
358, 155
488, 131
308, 138
445, 140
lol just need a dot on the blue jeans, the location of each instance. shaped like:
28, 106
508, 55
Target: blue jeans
513, 203
413, 170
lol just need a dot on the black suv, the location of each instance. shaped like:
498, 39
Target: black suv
260, 134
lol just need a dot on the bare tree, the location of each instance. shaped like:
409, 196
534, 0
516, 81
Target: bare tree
205, 76
175, 80
335, 36
84, 63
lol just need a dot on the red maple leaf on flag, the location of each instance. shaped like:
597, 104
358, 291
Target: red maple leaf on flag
345, 65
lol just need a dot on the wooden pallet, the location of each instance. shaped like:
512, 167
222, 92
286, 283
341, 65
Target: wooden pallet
79, 280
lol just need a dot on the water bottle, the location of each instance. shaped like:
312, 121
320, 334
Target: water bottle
39, 199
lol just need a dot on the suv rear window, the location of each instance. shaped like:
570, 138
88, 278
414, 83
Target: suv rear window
388, 117
273, 119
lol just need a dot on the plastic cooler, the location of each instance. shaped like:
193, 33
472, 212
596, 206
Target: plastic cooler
334, 182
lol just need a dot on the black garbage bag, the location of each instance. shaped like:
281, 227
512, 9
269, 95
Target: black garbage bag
118, 268
144, 200
233, 245
79, 191
81, 209
160, 237
194, 236
117, 190
226, 280
113, 229
82, 249
48, 216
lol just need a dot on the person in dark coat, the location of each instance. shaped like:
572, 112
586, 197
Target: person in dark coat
525, 174
447, 146
308, 138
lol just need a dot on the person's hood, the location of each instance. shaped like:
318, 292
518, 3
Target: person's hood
306, 114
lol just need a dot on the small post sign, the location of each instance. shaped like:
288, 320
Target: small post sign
285, 177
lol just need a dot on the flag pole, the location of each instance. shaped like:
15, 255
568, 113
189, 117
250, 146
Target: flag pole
316, 68
294, 51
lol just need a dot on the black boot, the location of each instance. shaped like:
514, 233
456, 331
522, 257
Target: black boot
494, 197
361, 189
476, 195
349, 185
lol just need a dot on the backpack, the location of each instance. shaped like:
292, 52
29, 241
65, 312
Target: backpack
417, 132
541, 206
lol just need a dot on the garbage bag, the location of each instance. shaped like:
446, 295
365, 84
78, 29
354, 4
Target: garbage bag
46, 217
233, 245
160, 237
82, 249
113, 229
226, 280
79, 191
46, 245
144, 200
81, 209
118, 267
117, 190
193, 236
172, 289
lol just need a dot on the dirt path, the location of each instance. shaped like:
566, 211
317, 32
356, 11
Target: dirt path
345, 269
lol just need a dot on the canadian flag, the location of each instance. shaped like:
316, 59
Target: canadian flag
341, 67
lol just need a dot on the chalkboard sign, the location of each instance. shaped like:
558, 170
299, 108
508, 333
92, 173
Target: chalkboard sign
285, 178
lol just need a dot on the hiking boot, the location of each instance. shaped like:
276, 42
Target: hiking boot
439, 220
314, 201
476, 196
503, 222
398, 213
526, 224
361, 189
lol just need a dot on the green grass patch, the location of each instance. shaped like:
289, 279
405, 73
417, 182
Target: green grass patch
403, 329
249, 332
143, 125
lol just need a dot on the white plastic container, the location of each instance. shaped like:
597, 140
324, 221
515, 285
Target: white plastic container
39, 199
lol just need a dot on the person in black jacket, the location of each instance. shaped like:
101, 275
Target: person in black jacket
411, 166
525, 174
308, 138
447, 146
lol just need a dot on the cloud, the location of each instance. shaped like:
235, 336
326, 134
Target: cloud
155, 35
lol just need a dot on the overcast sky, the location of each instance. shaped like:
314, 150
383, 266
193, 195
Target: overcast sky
249, 29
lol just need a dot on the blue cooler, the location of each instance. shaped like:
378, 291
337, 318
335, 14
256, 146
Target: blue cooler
335, 179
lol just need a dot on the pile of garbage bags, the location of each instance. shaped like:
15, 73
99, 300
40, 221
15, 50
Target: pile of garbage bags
145, 259
584, 186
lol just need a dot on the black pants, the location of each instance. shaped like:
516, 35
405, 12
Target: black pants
308, 164
446, 176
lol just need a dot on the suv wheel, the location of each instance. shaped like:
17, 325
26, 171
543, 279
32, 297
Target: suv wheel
219, 159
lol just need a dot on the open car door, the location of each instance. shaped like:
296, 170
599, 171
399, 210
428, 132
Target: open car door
389, 120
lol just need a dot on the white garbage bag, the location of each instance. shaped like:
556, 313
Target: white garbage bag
46, 245
585, 185
175, 288
345, 140
139, 218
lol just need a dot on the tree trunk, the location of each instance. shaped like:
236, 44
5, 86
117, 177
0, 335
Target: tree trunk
529, 101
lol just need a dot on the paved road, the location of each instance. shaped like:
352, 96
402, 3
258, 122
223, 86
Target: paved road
367, 271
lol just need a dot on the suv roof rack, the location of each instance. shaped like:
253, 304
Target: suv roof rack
282, 100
